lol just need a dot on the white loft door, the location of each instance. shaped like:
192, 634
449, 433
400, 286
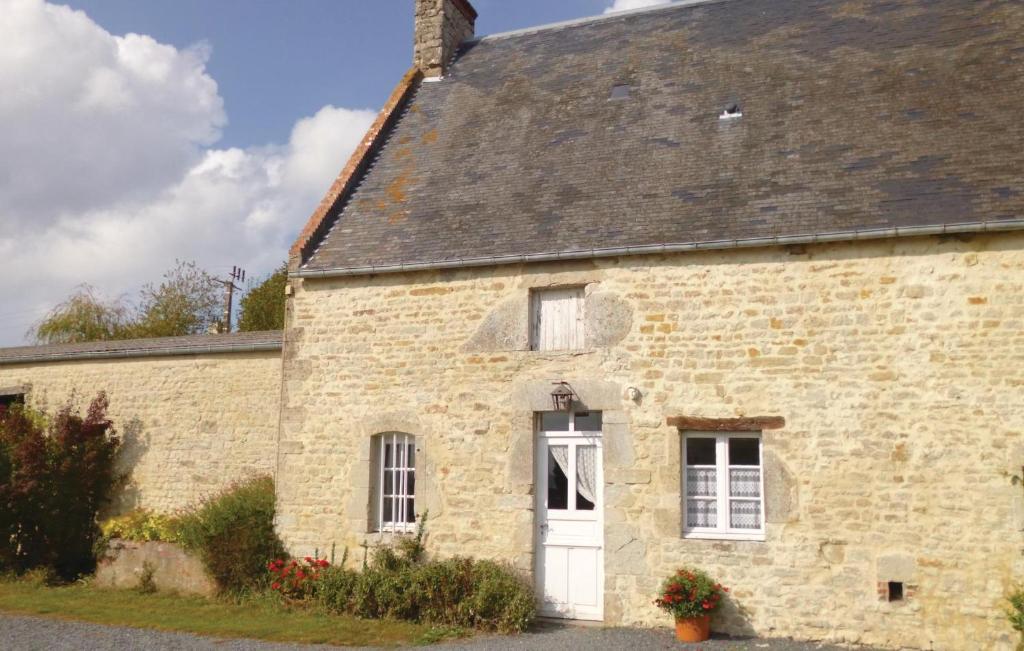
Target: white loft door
570, 541
558, 319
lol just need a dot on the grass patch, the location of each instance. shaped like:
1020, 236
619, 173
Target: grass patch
257, 618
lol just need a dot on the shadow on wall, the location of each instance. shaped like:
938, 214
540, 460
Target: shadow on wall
134, 443
733, 619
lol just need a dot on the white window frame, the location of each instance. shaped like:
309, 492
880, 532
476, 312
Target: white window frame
578, 328
400, 488
722, 497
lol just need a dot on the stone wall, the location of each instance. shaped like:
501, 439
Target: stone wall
897, 365
174, 569
192, 424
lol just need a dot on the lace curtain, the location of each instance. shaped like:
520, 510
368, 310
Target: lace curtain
586, 459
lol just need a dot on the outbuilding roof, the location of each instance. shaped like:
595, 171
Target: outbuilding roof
238, 342
739, 120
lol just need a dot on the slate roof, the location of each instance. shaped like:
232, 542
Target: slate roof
161, 346
857, 115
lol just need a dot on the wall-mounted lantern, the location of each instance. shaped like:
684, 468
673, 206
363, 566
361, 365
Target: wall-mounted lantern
561, 397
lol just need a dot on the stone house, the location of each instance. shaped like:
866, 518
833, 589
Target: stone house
771, 252
734, 284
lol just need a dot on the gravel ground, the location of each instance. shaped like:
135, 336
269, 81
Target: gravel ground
40, 634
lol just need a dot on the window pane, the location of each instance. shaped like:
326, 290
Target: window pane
745, 514
701, 513
701, 482
586, 477
554, 421
386, 517
700, 452
389, 482
744, 452
412, 455
745, 482
410, 510
410, 479
588, 421
388, 461
558, 484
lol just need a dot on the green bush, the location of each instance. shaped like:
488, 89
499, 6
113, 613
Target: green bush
458, 592
56, 473
500, 599
233, 533
1016, 614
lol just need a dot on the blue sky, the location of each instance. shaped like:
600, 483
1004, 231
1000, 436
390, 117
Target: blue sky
275, 61
141, 132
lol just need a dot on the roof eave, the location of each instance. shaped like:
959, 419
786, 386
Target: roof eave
649, 249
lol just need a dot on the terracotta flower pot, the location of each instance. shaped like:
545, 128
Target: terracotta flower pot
693, 629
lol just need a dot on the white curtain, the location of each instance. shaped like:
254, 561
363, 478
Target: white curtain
586, 458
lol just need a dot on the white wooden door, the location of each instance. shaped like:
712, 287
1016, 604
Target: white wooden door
570, 537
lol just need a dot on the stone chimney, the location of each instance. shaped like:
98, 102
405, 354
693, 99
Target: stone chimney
441, 27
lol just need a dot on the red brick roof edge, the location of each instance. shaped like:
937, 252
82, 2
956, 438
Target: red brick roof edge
352, 170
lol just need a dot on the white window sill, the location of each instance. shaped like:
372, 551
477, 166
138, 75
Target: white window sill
397, 531
753, 536
562, 352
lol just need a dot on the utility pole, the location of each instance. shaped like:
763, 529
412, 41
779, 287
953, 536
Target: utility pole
237, 274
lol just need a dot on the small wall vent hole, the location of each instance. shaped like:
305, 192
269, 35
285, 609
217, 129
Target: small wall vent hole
895, 591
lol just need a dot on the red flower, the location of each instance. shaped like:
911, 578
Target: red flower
705, 605
275, 585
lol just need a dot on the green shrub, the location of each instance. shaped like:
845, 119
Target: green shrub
55, 475
500, 599
1015, 613
457, 592
233, 533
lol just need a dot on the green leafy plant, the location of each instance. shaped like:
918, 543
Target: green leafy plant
1015, 613
146, 583
233, 534
400, 583
690, 593
141, 525
56, 473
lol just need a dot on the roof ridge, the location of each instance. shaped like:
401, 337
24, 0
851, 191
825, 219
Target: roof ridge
626, 13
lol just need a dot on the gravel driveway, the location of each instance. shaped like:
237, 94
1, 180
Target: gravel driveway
40, 634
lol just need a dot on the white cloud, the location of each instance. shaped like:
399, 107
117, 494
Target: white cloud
626, 5
109, 175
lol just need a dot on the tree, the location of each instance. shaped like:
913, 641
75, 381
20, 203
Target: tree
187, 302
84, 317
263, 307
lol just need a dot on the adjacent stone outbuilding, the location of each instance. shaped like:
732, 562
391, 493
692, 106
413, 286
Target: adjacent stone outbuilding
196, 413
